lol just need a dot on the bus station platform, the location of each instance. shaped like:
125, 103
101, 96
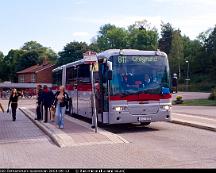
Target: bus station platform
75, 132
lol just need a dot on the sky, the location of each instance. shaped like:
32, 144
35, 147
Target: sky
54, 23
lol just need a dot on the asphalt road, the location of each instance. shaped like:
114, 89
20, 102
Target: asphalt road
204, 111
160, 145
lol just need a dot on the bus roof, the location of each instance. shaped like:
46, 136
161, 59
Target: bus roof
111, 52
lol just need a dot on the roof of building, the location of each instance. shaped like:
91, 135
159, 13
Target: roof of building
36, 68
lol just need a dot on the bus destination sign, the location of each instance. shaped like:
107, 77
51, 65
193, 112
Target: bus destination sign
137, 59
90, 57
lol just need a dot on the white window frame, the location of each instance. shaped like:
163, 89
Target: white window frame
22, 78
33, 78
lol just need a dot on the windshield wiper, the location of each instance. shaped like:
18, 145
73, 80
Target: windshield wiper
141, 92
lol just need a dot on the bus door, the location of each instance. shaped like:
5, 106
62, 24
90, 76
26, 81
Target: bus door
103, 95
75, 92
84, 90
70, 82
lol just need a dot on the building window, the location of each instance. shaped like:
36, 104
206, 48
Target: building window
21, 79
33, 78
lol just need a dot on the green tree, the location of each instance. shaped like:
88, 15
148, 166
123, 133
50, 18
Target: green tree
137, 36
28, 59
142, 37
176, 56
11, 62
165, 41
41, 50
72, 52
1, 66
210, 48
111, 37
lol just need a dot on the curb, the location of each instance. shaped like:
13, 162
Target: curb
111, 136
199, 126
46, 130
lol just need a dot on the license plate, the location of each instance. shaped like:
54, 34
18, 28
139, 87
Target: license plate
140, 119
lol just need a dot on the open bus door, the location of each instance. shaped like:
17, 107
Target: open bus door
104, 91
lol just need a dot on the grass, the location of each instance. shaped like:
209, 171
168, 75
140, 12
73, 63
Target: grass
197, 102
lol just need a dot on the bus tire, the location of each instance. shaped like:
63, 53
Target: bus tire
145, 123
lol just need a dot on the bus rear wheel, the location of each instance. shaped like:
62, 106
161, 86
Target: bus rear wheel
145, 123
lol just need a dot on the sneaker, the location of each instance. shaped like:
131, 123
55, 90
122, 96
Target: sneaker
61, 127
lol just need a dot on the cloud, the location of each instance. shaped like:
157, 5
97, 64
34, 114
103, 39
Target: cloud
191, 26
79, 2
194, 25
121, 21
192, 2
80, 34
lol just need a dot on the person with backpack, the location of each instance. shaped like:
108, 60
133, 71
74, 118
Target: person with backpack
61, 104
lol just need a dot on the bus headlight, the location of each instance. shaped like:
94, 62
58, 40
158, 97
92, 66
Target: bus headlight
119, 108
166, 107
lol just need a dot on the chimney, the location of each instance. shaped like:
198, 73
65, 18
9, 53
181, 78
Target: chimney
45, 60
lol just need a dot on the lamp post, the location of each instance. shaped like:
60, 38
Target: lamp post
187, 79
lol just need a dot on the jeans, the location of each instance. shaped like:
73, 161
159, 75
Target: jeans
60, 111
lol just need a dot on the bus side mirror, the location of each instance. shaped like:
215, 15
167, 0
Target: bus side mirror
110, 75
165, 90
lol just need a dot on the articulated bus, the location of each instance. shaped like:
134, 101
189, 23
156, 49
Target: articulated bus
131, 86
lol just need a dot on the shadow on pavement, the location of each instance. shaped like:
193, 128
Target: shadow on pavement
120, 128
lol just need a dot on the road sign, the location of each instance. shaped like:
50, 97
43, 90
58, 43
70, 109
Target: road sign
90, 57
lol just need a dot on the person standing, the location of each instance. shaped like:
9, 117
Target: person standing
61, 104
47, 100
13, 100
175, 83
39, 109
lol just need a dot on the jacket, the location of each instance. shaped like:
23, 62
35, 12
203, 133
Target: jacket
65, 101
47, 98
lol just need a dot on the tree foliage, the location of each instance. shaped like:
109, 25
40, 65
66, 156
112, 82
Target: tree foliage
166, 37
31, 53
72, 52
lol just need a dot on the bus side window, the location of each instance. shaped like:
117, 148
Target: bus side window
70, 77
84, 73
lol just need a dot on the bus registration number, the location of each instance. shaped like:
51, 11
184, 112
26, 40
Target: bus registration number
141, 119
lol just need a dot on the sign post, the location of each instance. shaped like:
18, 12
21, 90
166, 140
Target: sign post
91, 58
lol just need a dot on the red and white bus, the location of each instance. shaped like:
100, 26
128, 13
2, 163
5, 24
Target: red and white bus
130, 86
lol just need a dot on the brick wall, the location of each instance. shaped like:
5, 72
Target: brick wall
27, 78
44, 76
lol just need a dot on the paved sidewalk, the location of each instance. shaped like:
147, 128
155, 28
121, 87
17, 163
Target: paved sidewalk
20, 131
75, 132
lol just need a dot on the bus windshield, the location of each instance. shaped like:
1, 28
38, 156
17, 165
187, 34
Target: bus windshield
139, 74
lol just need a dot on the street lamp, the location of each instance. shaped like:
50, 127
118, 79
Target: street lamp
187, 80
